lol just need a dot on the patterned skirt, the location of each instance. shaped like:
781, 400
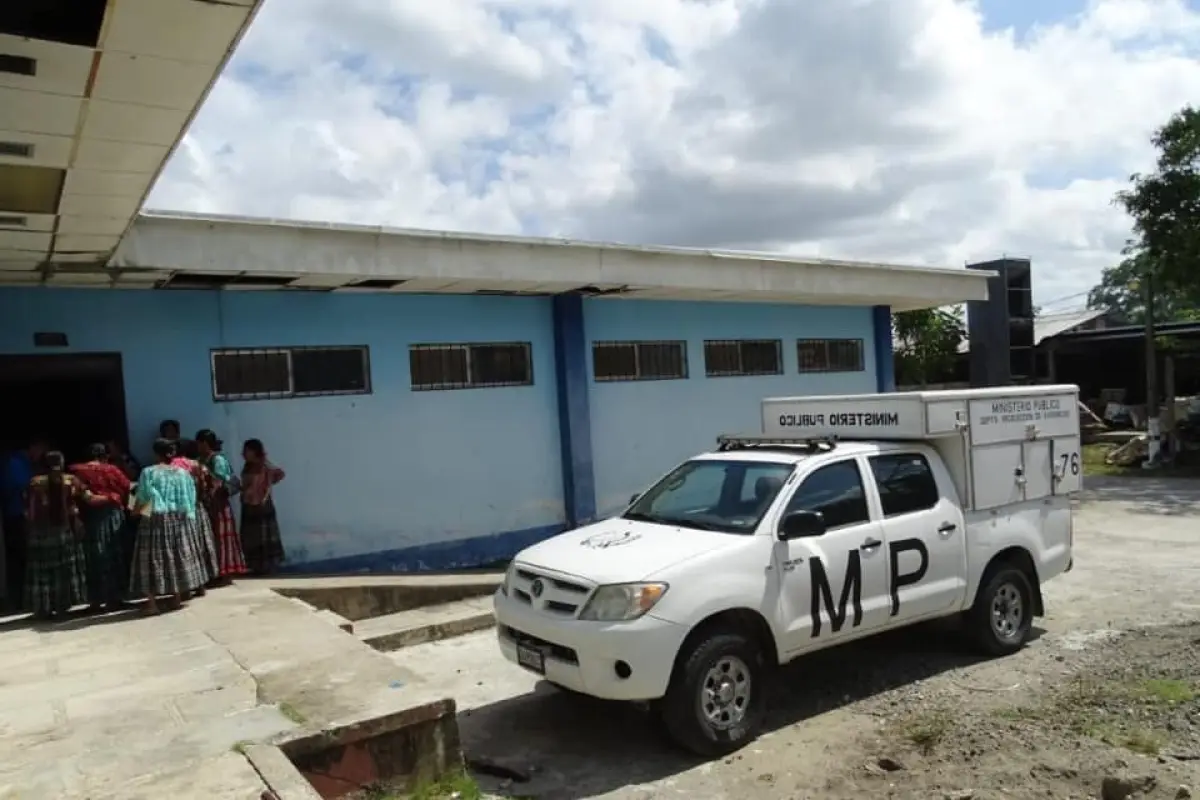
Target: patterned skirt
166, 557
105, 552
261, 541
206, 544
54, 570
229, 543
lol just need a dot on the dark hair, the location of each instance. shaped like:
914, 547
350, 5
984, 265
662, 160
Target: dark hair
189, 449
164, 449
166, 425
98, 452
255, 446
56, 494
209, 438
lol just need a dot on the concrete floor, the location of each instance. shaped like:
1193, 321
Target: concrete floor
1137, 562
127, 707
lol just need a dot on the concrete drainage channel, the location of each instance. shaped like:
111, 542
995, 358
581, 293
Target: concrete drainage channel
402, 750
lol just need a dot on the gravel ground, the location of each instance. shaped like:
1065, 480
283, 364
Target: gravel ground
1102, 704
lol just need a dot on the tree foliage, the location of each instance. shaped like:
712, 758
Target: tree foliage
1165, 208
1121, 290
926, 343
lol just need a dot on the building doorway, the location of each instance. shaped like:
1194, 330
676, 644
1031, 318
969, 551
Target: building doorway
71, 400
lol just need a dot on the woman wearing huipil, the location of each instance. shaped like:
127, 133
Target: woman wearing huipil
232, 560
261, 541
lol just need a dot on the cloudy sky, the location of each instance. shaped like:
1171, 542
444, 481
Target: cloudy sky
916, 131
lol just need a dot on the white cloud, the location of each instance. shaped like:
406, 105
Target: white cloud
902, 130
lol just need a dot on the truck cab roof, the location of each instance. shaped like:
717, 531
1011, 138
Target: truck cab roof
796, 453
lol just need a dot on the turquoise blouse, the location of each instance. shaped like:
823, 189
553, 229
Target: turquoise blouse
219, 466
169, 490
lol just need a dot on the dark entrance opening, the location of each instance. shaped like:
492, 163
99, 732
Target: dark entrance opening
71, 400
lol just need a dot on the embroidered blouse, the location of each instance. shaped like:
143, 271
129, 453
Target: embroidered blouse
257, 483
167, 489
106, 481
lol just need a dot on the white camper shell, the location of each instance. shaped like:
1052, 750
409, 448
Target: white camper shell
1001, 445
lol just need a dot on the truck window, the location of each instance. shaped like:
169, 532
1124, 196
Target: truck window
836, 492
906, 483
726, 496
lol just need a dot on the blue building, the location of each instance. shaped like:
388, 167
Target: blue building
438, 400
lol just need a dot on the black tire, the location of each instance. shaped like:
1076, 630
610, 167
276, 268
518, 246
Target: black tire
997, 627
682, 710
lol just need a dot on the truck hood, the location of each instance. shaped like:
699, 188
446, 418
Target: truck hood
621, 551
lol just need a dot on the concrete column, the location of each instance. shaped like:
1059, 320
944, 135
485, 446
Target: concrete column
885, 357
574, 411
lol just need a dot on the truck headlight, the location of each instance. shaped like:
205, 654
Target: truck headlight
619, 602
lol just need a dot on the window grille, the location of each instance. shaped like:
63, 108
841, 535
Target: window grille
639, 361
739, 357
276, 373
830, 355
437, 367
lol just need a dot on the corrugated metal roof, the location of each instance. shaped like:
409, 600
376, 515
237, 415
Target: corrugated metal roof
1047, 326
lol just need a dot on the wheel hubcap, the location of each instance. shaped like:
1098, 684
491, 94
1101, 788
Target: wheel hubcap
1008, 611
725, 693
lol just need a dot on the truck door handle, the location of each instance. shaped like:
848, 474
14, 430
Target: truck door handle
947, 527
870, 544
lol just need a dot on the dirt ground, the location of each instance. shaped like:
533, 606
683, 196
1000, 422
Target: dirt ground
1103, 703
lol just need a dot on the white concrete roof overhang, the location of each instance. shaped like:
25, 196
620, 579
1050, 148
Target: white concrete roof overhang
94, 97
186, 251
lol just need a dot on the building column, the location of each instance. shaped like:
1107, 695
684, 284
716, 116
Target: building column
885, 357
574, 411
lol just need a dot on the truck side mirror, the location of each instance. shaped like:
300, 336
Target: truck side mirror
801, 525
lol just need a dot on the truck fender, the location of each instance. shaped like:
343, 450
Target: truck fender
1019, 557
738, 618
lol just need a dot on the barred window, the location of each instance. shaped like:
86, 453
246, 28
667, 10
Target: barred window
276, 373
724, 358
639, 361
830, 355
434, 367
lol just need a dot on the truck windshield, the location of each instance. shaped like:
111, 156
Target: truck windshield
712, 495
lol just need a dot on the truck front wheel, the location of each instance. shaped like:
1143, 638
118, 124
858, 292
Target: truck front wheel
717, 699
1002, 617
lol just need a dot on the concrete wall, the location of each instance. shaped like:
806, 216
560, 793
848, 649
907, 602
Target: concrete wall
399, 480
366, 473
640, 429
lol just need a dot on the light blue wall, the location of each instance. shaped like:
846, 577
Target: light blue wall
366, 473
640, 429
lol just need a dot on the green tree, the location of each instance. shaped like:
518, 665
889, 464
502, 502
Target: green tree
1165, 207
1121, 291
926, 343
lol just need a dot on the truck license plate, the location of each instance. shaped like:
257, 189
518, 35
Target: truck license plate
531, 658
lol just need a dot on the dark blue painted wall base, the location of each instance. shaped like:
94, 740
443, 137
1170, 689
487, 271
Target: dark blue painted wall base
433, 557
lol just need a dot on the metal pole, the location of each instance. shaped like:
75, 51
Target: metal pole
1153, 432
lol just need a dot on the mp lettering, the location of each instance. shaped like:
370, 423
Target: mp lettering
822, 591
899, 581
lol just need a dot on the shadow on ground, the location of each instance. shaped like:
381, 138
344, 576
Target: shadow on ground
596, 746
75, 620
1147, 495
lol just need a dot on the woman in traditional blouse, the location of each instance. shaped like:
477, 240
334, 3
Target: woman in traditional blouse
166, 558
104, 543
54, 567
261, 541
231, 559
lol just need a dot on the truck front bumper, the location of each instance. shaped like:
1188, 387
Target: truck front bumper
610, 660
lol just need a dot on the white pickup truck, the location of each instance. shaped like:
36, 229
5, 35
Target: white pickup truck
845, 517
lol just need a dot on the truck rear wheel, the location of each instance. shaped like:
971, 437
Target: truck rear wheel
1002, 617
717, 700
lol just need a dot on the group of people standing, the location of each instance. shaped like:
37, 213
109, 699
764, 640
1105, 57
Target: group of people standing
105, 531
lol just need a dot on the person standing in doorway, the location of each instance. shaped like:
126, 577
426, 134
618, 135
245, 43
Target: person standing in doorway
16, 473
54, 573
104, 520
166, 561
232, 560
261, 541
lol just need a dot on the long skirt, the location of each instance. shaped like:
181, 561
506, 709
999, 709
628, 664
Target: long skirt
104, 550
261, 541
166, 557
229, 544
54, 570
207, 544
